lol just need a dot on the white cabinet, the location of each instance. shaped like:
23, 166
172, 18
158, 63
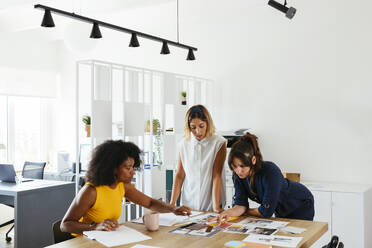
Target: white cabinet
347, 209
323, 212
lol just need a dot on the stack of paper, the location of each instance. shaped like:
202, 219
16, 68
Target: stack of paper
123, 235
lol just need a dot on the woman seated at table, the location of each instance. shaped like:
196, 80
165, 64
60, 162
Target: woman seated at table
109, 176
263, 182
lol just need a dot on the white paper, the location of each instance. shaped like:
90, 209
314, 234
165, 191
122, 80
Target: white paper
292, 230
264, 223
144, 246
282, 241
169, 219
123, 235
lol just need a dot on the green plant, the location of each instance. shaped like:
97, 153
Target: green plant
183, 93
86, 119
157, 131
156, 128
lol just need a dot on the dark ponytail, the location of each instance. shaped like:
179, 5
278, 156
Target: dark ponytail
244, 149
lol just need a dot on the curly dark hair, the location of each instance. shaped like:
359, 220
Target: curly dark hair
107, 157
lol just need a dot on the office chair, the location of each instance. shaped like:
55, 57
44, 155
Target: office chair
81, 181
33, 170
60, 236
30, 170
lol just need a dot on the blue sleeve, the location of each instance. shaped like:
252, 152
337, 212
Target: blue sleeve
272, 183
241, 195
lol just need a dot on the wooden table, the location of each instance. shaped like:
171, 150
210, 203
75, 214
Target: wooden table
161, 238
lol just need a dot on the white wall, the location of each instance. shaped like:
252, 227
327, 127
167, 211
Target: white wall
302, 85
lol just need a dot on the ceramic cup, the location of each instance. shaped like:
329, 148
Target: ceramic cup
151, 221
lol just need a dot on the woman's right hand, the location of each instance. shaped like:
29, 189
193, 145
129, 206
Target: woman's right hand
224, 216
107, 225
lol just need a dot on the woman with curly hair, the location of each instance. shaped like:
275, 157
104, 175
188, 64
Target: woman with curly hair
109, 176
263, 182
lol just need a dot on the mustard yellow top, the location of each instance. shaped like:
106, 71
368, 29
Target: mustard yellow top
107, 205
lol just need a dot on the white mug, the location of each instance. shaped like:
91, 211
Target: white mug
151, 221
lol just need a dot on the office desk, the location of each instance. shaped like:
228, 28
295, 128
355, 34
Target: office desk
37, 204
161, 238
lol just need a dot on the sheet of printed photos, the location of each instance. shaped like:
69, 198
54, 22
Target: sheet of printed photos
206, 226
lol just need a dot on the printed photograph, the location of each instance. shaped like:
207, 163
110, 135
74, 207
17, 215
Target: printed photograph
263, 231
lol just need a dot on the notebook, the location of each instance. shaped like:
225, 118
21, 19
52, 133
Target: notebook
7, 174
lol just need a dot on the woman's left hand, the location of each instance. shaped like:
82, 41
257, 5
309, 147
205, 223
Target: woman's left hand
182, 210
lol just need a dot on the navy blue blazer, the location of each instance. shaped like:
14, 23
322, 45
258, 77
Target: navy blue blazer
276, 194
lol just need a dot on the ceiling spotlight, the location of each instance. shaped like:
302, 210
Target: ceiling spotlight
134, 41
96, 33
289, 12
190, 55
165, 48
47, 19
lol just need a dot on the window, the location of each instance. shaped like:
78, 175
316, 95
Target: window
3, 129
26, 125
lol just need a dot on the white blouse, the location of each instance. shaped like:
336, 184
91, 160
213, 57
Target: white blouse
197, 160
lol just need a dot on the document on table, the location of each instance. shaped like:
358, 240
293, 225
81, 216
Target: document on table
266, 223
283, 241
169, 219
123, 235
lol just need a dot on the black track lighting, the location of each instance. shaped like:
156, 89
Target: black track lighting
96, 33
190, 55
134, 41
47, 19
164, 48
289, 12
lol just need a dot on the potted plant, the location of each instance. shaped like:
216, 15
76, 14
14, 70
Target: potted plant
183, 94
86, 121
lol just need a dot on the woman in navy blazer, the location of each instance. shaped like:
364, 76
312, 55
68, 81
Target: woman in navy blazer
263, 182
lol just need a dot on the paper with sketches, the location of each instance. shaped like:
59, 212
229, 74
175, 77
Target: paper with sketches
282, 241
123, 235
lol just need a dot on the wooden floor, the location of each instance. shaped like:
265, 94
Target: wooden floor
6, 214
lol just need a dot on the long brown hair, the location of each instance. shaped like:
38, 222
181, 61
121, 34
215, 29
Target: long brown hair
244, 149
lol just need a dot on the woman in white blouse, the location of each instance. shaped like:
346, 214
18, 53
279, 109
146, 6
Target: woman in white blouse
201, 159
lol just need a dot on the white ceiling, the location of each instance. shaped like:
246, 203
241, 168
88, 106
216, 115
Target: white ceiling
20, 15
